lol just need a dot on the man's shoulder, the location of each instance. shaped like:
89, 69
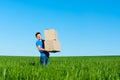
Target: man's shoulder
38, 42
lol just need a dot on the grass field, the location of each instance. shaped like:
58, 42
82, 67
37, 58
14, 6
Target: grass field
60, 68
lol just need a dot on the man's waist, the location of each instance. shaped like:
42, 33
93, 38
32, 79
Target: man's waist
43, 54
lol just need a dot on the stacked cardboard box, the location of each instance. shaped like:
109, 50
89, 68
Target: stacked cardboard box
51, 40
50, 34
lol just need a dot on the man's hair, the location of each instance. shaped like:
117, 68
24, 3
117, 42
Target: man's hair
37, 33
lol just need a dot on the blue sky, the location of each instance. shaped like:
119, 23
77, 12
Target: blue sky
85, 27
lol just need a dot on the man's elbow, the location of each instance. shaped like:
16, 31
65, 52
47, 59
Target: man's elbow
39, 48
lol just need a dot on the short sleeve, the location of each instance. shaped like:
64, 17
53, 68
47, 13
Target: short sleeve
38, 43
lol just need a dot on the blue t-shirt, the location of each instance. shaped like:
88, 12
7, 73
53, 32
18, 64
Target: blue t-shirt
40, 43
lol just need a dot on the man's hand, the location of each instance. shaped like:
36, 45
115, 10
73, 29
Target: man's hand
49, 50
39, 48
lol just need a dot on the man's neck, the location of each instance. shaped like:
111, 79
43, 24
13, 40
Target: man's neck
40, 39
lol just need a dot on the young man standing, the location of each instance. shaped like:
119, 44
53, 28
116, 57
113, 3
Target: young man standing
44, 57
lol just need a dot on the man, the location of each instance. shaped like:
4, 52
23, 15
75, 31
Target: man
44, 57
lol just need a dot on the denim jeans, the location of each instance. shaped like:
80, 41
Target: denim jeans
44, 60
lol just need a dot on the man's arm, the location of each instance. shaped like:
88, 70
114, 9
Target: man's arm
39, 48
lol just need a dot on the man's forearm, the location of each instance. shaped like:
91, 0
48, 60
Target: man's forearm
42, 49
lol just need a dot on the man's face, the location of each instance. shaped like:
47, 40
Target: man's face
39, 37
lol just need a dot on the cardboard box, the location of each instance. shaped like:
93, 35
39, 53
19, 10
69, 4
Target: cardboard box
50, 34
53, 45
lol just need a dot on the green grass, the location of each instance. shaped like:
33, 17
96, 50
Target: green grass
60, 68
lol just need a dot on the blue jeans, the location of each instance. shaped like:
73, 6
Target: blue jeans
44, 60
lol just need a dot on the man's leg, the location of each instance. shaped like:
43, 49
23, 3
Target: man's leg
42, 60
46, 60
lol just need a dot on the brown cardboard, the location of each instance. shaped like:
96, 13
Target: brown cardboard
53, 45
50, 34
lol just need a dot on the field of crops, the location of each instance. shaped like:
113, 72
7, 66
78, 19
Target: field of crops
60, 68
